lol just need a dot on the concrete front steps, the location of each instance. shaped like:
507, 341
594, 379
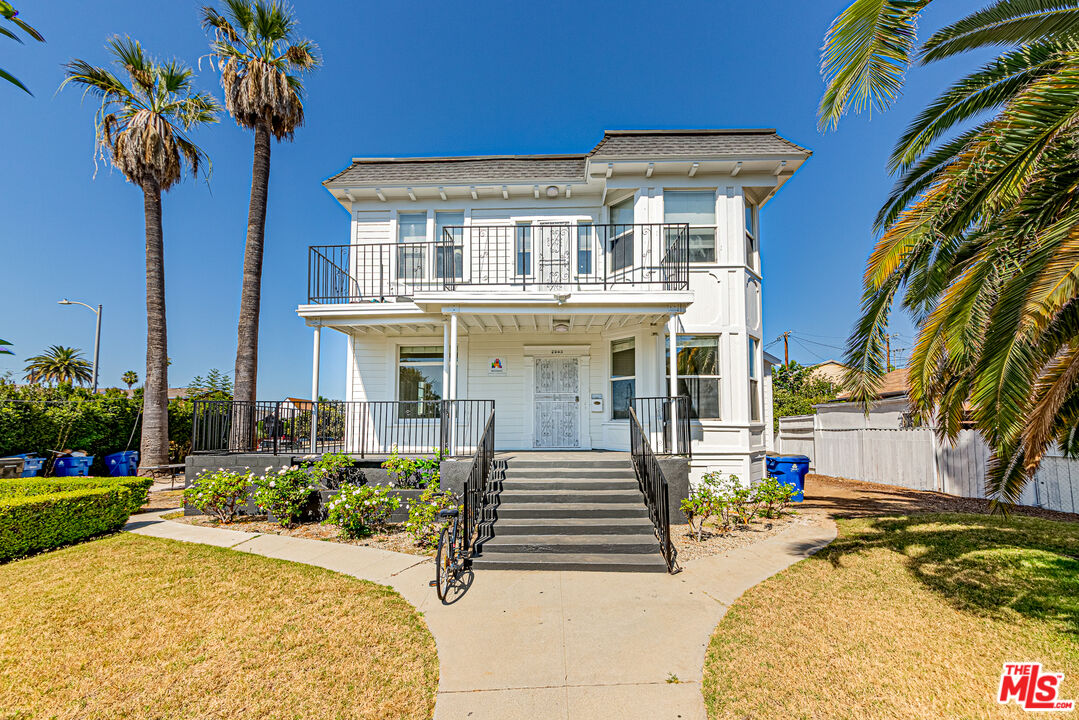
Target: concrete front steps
571, 515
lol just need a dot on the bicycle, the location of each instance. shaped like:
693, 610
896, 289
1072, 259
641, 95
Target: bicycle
450, 560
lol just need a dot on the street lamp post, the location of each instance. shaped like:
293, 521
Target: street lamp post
97, 334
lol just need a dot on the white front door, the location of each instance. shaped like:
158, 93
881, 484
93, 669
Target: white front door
556, 401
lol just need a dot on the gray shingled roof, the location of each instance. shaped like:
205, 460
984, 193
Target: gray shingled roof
566, 168
682, 143
449, 170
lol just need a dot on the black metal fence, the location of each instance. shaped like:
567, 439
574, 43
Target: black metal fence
453, 428
653, 485
665, 423
645, 256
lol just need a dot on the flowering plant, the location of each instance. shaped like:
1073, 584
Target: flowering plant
423, 522
284, 493
219, 492
359, 509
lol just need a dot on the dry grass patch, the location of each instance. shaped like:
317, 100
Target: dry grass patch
138, 627
902, 617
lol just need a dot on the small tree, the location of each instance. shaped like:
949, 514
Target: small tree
130, 378
796, 389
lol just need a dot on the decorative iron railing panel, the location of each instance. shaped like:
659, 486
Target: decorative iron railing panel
453, 428
548, 257
653, 485
665, 422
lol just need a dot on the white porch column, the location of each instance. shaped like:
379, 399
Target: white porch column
452, 392
672, 334
445, 359
315, 357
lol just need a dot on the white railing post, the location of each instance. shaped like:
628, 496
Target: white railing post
672, 334
315, 356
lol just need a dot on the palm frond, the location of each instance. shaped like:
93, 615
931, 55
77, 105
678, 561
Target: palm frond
1008, 22
866, 53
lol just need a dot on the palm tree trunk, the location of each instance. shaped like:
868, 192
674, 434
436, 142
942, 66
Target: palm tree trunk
154, 446
247, 334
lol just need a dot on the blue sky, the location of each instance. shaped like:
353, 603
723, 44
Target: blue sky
408, 78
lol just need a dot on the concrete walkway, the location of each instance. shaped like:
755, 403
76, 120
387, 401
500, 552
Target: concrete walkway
553, 645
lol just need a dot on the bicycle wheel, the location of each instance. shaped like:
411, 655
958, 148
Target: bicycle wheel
444, 561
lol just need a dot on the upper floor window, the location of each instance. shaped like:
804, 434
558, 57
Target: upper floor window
697, 208
752, 252
754, 380
585, 237
698, 374
623, 377
449, 260
523, 248
621, 245
411, 231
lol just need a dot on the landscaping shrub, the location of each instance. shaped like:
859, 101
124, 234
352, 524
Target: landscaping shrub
729, 501
284, 493
38, 514
413, 473
220, 493
333, 470
423, 523
360, 509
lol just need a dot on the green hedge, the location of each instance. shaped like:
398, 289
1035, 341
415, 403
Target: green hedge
38, 514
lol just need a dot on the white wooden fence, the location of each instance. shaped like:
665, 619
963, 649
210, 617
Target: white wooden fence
914, 458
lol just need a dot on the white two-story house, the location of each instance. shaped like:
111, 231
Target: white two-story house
568, 289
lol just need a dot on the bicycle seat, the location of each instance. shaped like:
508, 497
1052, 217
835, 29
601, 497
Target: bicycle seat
447, 513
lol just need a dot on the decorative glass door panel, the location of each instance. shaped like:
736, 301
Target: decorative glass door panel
556, 403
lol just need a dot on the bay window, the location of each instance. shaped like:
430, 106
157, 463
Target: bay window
752, 233
754, 380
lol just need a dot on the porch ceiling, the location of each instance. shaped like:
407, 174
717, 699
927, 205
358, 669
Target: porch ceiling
499, 323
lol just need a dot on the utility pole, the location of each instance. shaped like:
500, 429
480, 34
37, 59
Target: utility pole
888, 346
786, 353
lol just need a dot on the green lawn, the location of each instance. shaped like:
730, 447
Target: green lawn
137, 627
902, 617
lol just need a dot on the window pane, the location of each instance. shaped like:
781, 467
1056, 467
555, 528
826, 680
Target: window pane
621, 392
523, 242
584, 249
754, 401
698, 355
443, 258
696, 207
753, 342
622, 213
702, 244
420, 381
750, 227
442, 219
703, 396
411, 227
623, 360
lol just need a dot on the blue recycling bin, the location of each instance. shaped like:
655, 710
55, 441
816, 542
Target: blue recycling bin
789, 470
31, 464
123, 464
72, 466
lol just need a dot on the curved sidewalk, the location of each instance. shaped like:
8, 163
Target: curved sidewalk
552, 645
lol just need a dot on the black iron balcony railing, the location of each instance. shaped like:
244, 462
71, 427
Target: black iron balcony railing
504, 257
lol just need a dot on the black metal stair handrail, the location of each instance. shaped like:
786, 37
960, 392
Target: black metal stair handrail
665, 422
653, 484
478, 484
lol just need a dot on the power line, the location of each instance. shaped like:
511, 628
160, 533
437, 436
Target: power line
811, 352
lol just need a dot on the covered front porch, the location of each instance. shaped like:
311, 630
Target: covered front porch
564, 375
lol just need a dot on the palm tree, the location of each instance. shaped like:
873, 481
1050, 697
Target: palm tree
979, 238
259, 58
59, 364
141, 130
11, 15
130, 378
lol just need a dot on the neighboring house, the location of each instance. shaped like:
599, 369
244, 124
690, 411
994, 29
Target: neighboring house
830, 370
556, 285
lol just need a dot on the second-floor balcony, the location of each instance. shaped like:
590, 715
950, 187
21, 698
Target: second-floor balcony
535, 257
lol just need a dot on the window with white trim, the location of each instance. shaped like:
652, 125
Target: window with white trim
752, 248
698, 373
585, 237
696, 208
411, 233
754, 380
449, 260
623, 377
621, 235
523, 248
419, 380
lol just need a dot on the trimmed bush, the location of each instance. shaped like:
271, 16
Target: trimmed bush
38, 514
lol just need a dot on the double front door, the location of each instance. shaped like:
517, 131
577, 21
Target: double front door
556, 403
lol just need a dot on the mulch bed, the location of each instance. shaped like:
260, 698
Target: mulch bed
393, 538
164, 500
713, 542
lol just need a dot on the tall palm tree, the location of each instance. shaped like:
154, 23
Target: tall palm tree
11, 15
979, 238
59, 364
130, 378
260, 58
141, 129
